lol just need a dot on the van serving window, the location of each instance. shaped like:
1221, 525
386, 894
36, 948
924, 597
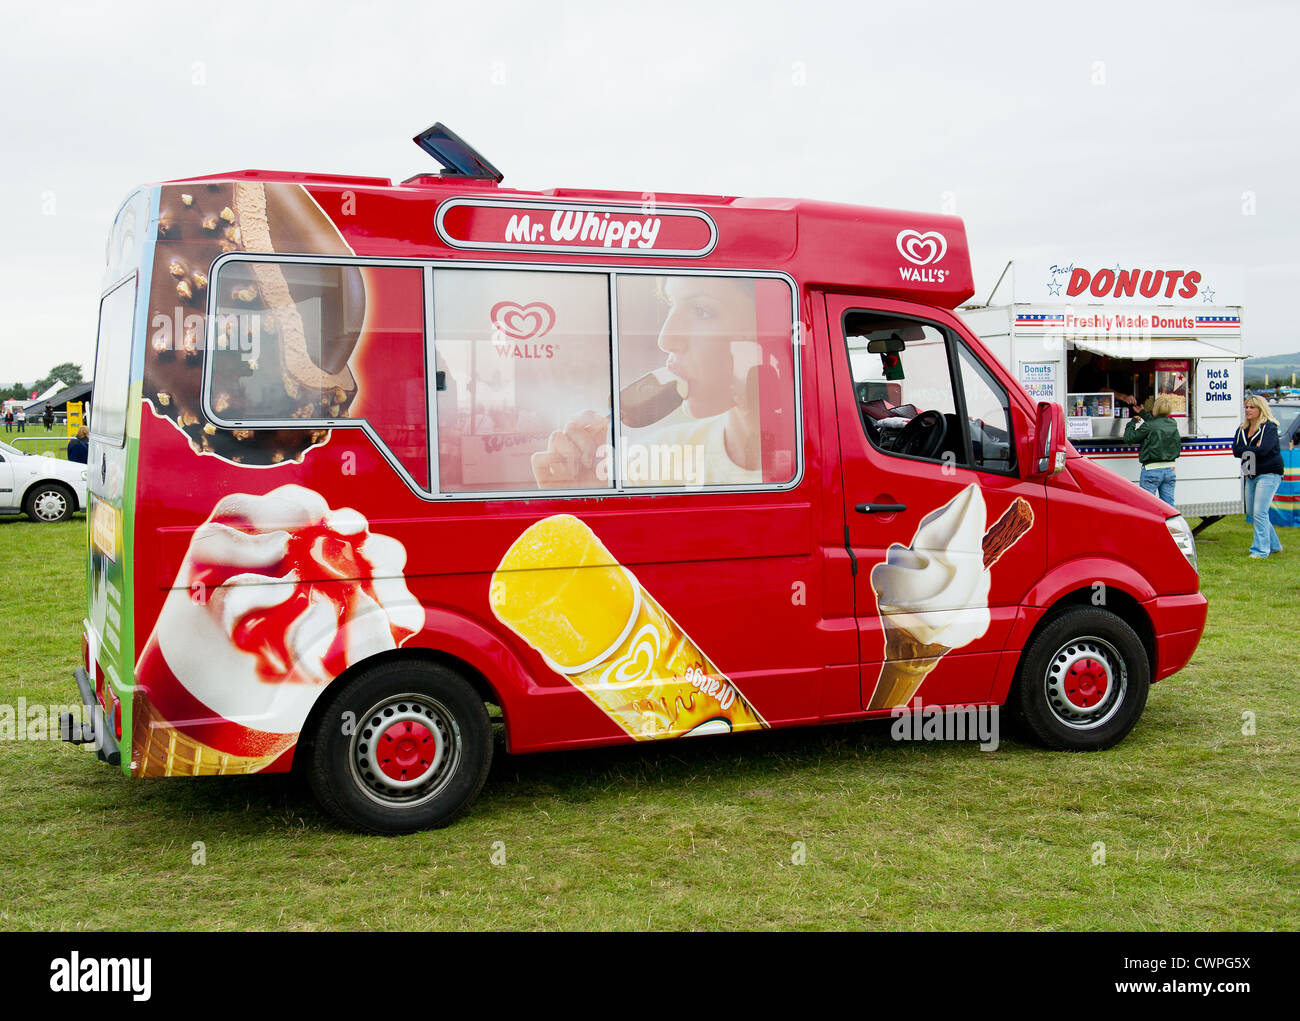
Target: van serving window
706, 381
706, 378
524, 400
519, 370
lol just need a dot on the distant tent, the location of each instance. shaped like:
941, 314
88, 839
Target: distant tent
59, 401
58, 386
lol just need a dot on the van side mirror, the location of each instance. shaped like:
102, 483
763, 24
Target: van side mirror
1049, 439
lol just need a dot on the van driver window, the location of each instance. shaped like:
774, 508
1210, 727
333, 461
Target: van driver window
907, 401
903, 386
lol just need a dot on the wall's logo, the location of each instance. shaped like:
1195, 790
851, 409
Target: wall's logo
922, 249
523, 322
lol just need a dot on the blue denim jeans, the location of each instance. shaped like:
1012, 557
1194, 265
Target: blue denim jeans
1159, 482
1260, 491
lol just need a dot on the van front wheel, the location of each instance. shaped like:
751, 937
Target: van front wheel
1083, 681
404, 746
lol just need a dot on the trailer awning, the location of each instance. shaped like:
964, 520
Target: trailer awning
1140, 350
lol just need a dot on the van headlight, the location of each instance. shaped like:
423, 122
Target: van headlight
1183, 538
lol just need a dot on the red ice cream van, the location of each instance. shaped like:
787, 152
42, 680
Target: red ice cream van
368, 458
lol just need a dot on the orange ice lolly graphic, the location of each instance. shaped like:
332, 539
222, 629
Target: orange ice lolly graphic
566, 595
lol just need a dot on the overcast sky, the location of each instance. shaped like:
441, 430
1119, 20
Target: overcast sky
1117, 131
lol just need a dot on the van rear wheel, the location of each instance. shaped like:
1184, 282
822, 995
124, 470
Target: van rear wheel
404, 746
1083, 681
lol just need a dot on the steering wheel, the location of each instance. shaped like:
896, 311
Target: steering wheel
923, 435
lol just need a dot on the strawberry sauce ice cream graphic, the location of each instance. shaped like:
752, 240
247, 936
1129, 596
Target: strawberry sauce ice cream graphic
277, 595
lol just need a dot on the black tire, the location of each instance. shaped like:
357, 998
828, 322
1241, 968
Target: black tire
371, 765
1083, 681
47, 502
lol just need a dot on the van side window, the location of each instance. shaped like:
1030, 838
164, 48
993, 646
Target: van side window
988, 414
903, 380
706, 381
285, 351
523, 380
903, 385
113, 363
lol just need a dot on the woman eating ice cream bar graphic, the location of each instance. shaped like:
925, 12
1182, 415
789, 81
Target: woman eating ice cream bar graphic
703, 397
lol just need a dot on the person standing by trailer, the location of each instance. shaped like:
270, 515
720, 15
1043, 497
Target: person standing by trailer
9, 421
1256, 443
20, 420
1159, 446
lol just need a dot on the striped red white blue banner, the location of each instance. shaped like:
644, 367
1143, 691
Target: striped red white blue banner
1213, 447
1047, 319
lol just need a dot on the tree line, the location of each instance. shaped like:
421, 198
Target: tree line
68, 372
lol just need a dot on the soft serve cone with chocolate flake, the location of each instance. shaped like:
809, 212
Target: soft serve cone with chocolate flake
933, 596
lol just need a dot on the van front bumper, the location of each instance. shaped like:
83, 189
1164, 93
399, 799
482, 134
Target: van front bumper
98, 731
1178, 622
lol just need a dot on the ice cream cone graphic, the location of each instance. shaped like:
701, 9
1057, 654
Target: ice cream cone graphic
565, 594
907, 662
277, 595
161, 748
933, 595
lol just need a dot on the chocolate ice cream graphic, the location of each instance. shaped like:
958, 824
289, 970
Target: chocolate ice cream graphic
277, 595
933, 596
283, 332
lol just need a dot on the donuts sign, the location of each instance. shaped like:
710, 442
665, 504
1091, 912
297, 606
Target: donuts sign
566, 227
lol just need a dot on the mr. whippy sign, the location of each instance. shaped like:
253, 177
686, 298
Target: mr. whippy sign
569, 227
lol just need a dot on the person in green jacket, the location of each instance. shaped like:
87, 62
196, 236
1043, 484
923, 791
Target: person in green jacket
1159, 445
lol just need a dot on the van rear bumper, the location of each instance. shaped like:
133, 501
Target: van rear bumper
97, 731
1178, 622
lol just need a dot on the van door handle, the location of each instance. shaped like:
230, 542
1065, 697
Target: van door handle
880, 508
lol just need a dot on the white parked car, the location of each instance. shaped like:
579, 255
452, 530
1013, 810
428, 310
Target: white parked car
43, 488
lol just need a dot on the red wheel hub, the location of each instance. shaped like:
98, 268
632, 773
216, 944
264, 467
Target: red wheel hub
406, 750
1086, 682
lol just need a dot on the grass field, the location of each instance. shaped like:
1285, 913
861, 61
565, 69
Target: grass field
1199, 821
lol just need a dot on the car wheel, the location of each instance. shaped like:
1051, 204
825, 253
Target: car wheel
1083, 681
404, 746
49, 501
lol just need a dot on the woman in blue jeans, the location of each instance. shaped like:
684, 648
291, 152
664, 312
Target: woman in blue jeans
1159, 446
1257, 444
